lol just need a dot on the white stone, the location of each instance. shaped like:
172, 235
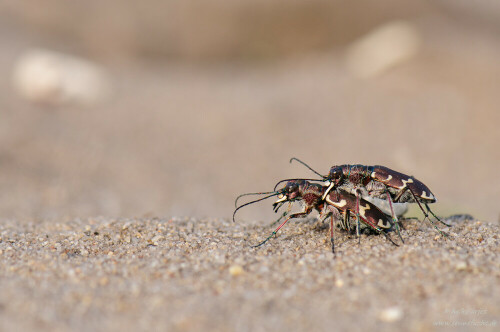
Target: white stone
53, 78
382, 49
391, 314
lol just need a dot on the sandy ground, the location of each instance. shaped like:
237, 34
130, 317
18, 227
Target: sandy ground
202, 275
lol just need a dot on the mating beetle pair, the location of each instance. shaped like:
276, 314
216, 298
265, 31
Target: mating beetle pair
345, 193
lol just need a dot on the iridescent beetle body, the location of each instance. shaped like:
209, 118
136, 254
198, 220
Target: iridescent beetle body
371, 215
380, 182
336, 203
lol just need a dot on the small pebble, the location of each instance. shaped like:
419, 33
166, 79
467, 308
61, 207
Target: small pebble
235, 270
461, 266
154, 241
391, 314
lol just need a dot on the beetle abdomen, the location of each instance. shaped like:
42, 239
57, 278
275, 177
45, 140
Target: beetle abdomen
401, 181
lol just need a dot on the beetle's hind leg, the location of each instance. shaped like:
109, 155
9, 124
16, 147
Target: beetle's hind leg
393, 215
437, 218
427, 216
358, 225
373, 227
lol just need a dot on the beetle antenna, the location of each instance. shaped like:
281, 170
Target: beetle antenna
286, 180
248, 194
306, 165
255, 201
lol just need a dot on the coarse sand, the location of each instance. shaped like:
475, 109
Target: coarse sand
184, 274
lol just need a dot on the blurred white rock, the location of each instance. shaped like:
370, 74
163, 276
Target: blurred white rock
382, 49
391, 314
47, 77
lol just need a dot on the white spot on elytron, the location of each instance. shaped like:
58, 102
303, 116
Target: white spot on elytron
281, 196
362, 210
430, 196
384, 223
375, 174
327, 190
410, 180
340, 204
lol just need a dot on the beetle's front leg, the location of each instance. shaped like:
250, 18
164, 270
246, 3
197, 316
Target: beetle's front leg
294, 215
283, 215
327, 190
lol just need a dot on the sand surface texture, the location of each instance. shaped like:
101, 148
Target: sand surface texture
201, 274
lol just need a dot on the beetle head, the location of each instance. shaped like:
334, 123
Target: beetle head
291, 191
336, 174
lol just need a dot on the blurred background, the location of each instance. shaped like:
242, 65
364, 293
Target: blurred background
162, 108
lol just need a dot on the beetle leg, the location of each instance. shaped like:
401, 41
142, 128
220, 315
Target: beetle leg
389, 238
426, 215
346, 224
393, 215
347, 220
325, 213
357, 215
331, 234
399, 194
327, 190
380, 231
283, 215
294, 215
429, 209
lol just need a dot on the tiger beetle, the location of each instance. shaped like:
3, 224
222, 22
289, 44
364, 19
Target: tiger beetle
381, 182
336, 202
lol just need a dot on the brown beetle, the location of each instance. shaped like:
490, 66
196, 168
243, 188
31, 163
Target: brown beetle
381, 182
337, 202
